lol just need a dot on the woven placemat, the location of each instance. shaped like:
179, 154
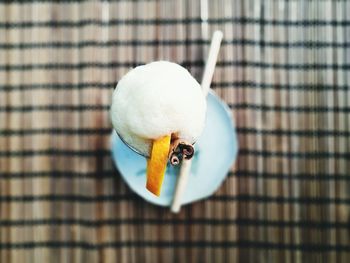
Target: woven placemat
284, 71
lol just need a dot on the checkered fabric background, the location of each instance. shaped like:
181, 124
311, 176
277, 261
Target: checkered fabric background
284, 71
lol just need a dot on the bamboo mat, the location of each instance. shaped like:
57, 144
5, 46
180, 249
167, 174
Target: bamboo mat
284, 71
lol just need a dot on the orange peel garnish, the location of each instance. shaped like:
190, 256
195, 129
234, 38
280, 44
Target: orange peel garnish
156, 165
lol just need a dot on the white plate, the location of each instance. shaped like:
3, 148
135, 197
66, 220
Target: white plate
216, 150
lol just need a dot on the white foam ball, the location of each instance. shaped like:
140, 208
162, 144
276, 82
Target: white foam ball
157, 99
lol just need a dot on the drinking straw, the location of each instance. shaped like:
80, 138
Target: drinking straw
206, 81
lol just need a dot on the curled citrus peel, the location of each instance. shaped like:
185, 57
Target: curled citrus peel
156, 165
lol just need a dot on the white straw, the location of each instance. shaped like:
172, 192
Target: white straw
181, 185
211, 62
206, 81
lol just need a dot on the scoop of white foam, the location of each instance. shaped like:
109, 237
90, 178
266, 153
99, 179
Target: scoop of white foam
157, 99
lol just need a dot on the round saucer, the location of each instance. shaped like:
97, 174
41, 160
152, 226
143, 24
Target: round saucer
215, 151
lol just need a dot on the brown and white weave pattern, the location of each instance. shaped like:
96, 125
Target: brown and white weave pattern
283, 69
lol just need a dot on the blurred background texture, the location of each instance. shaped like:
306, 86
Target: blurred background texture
284, 71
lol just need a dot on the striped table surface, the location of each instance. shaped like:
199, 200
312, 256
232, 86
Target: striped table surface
283, 69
